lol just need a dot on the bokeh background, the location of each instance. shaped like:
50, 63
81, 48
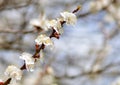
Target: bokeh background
87, 53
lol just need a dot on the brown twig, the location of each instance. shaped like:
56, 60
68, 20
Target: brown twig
38, 48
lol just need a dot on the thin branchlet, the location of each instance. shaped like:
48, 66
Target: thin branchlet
38, 48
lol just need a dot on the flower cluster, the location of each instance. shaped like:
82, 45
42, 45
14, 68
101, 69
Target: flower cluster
40, 23
70, 18
43, 39
56, 25
13, 72
29, 61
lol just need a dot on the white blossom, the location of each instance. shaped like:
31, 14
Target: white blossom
13, 72
42, 23
70, 18
56, 25
29, 60
43, 39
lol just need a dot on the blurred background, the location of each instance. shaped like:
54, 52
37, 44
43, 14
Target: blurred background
87, 53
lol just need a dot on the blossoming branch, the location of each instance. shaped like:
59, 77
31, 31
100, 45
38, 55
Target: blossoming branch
56, 26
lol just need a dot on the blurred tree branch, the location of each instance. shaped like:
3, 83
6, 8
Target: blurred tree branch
5, 7
16, 31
